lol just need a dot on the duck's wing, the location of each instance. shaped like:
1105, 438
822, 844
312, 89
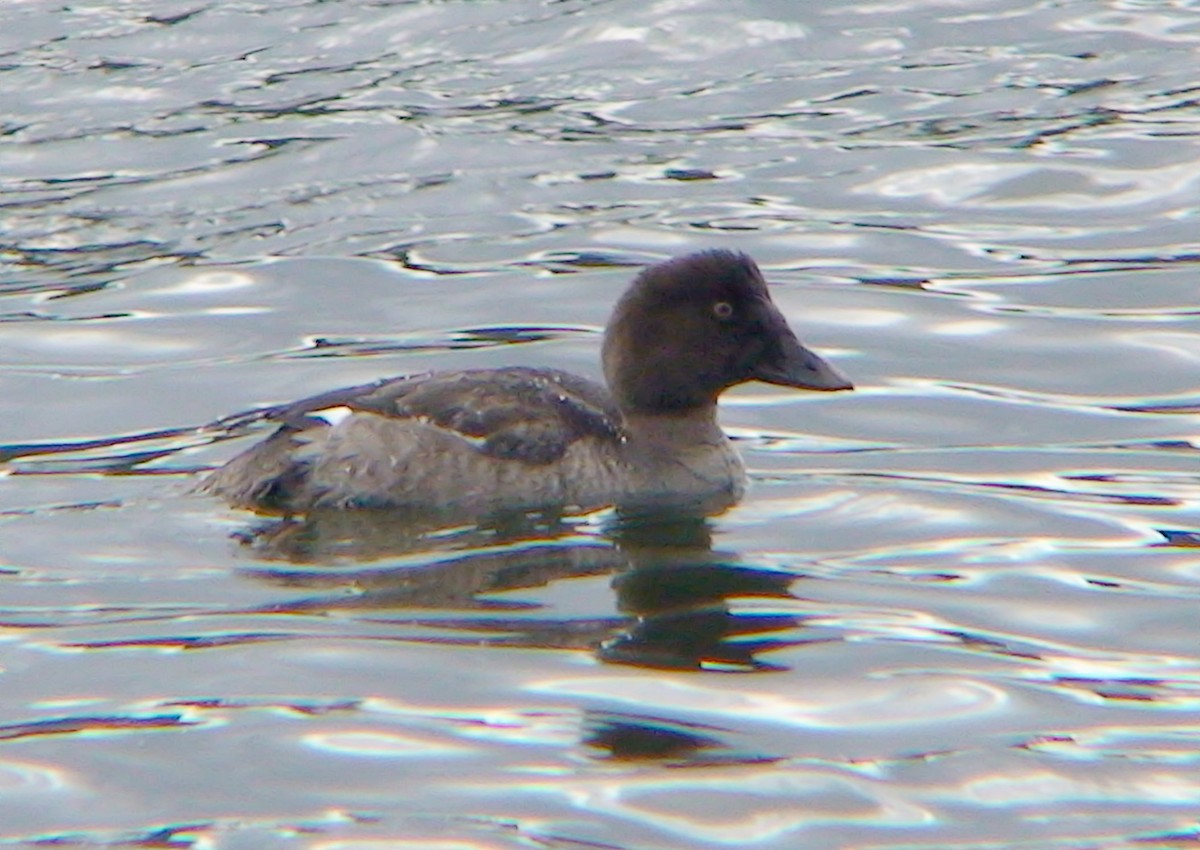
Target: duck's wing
530, 415
516, 413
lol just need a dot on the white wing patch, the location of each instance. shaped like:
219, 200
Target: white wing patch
332, 415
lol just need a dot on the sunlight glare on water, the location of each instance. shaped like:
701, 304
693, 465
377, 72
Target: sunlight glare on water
956, 608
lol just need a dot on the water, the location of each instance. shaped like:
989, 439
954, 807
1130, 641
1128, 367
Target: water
956, 609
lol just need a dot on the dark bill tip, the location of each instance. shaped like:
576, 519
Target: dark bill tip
796, 366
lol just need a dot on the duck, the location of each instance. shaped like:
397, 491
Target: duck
481, 441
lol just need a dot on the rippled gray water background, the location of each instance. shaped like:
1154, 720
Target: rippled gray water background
958, 607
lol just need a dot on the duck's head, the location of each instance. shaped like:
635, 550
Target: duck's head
690, 328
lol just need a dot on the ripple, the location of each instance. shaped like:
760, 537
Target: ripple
1157, 26
702, 807
20, 778
168, 643
381, 745
1038, 787
1150, 745
104, 725
448, 340
907, 702
1007, 185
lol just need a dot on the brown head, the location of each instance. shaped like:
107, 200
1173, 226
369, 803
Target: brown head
689, 328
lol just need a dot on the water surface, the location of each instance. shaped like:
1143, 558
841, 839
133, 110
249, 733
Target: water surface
957, 608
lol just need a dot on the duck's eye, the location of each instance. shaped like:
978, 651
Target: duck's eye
723, 310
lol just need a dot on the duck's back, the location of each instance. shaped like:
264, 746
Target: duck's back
475, 440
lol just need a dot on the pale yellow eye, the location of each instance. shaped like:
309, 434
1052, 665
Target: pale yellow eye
723, 310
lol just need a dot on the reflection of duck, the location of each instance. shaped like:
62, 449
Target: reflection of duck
683, 594
485, 439
393, 563
680, 603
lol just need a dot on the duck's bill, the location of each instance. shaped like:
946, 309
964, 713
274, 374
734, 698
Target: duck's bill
795, 366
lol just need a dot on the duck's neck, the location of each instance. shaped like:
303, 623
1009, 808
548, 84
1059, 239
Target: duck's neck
675, 432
